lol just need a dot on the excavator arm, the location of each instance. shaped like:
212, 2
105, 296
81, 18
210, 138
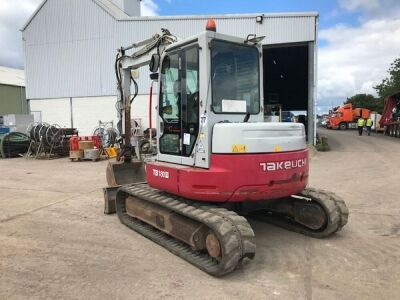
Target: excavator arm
146, 52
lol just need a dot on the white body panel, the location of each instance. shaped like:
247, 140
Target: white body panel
258, 137
376, 118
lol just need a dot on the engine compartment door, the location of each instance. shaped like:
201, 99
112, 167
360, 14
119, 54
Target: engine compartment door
240, 138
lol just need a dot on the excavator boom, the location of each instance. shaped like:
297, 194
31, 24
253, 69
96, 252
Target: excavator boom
128, 170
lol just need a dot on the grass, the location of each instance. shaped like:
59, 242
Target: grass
322, 144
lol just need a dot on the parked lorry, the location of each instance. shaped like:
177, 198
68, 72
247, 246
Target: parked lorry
390, 120
345, 117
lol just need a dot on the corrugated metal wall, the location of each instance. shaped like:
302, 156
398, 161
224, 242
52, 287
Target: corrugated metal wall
69, 50
70, 45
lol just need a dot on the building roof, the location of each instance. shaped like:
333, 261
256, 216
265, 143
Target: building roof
120, 15
112, 9
107, 5
10, 76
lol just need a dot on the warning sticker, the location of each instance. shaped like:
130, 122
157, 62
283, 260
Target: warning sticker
239, 148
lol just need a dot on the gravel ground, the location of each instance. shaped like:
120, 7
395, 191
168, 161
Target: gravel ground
55, 241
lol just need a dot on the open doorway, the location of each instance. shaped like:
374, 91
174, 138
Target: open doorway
287, 84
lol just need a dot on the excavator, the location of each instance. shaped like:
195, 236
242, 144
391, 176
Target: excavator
217, 163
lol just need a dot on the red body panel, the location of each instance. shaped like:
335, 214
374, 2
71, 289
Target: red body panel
390, 103
74, 141
234, 177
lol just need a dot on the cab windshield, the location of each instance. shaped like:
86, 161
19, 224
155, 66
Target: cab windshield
235, 78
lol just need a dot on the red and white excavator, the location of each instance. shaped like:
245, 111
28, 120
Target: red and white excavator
217, 160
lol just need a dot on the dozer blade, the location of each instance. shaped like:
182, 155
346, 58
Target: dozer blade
120, 173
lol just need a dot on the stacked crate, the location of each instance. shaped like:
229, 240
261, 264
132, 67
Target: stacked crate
85, 148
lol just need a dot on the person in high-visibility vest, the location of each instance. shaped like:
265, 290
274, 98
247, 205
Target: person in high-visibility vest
360, 125
369, 124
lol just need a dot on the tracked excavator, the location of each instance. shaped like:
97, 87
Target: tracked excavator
217, 163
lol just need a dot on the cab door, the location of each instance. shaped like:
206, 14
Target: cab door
178, 125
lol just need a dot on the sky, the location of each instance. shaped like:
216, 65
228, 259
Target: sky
358, 39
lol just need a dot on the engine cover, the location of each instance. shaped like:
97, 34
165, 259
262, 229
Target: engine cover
257, 137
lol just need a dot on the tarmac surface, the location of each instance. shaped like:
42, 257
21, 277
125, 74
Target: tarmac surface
56, 243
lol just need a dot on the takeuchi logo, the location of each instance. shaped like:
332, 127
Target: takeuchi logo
283, 165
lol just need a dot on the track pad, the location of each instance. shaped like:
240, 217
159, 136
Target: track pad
309, 214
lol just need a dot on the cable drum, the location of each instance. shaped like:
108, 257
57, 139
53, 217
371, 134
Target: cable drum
42, 132
108, 136
37, 131
31, 130
112, 135
35, 135
49, 140
54, 136
13, 144
135, 129
101, 132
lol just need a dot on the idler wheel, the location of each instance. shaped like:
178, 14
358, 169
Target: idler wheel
213, 246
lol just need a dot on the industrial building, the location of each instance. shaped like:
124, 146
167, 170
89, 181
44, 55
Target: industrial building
70, 48
12, 91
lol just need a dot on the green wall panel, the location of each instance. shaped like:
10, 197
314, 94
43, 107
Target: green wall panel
12, 100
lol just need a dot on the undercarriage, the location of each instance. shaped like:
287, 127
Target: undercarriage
216, 239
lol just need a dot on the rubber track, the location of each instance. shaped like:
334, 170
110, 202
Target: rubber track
333, 205
233, 231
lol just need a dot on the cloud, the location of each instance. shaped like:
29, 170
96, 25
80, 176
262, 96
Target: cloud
352, 5
370, 9
355, 59
13, 14
149, 8
352, 60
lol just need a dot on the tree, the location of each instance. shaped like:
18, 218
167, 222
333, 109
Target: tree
366, 101
391, 84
